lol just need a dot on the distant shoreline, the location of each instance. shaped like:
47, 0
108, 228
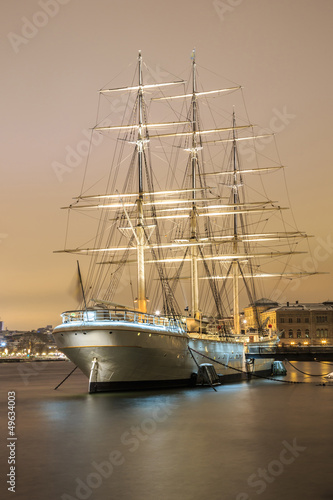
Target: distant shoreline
20, 360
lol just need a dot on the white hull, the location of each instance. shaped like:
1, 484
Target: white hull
117, 355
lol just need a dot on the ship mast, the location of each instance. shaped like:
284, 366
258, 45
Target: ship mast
141, 299
188, 207
193, 215
235, 268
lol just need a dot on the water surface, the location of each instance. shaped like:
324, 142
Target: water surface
253, 440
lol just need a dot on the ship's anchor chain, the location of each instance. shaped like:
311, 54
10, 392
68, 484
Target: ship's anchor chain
241, 371
67, 376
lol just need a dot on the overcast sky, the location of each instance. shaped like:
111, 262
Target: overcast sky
56, 54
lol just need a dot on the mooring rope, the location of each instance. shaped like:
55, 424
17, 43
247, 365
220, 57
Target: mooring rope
207, 376
309, 374
246, 373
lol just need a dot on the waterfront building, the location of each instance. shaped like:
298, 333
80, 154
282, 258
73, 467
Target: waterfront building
252, 313
300, 323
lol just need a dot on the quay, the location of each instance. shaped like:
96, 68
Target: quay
294, 353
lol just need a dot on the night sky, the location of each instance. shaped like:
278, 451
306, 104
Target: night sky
56, 54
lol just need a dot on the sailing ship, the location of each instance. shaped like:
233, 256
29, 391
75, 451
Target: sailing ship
183, 229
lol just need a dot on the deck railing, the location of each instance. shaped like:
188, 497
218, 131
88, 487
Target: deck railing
123, 315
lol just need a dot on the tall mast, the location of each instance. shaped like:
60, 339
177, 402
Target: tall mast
193, 216
142, 301
235, 269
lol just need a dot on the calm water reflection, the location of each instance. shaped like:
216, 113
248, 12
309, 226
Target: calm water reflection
256, 440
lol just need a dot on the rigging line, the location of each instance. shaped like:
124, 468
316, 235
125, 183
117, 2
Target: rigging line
288, 259
288, 198
186, 110
104, 221
219, 76
96, 277
245, 187
186, 303
81, 285
214, 290
223, 289
109, 98
115, 278
264, 129
254, 150
178, 115
217, 153
176, 276
67, 228
277, 150
255, 147
169, 300
252, 189
119, 151
251, 297
118, 74
149, 71
103, 274
245, 106
308, 374
251, 293
248, 248
90, 145
168, 295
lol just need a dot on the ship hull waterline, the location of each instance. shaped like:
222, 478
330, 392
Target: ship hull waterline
116, 356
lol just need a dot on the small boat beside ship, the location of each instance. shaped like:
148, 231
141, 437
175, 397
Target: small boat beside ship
183, 228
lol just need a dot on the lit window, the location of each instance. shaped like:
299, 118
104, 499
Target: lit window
299, 334
307, 333
291, 335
